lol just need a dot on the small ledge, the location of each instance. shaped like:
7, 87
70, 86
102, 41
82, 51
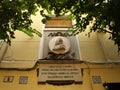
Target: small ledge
18, 64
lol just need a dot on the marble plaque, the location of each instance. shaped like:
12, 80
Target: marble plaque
72, 53
59, 73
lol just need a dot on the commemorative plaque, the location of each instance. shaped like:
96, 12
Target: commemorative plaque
60, 74
56, 47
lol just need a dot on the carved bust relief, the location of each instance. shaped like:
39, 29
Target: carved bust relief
59, 45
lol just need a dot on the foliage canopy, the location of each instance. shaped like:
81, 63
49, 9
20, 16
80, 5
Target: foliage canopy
15, 15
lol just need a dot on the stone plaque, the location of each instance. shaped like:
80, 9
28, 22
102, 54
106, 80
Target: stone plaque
72, 54
59, 74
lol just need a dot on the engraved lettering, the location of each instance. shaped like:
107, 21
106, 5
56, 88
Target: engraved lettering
59, 34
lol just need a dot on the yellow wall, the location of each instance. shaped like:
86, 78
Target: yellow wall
107, 75
97, 48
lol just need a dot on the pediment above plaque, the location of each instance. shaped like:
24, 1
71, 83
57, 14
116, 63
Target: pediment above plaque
58, 22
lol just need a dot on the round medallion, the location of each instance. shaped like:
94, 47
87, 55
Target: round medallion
59, 45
